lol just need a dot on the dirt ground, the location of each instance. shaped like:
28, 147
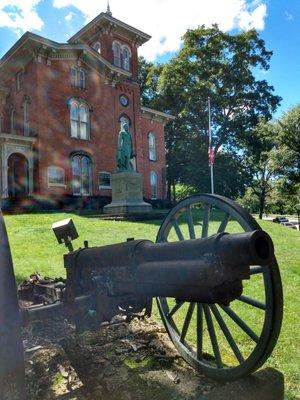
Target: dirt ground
135, 361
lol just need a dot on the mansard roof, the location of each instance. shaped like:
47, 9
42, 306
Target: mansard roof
105, 22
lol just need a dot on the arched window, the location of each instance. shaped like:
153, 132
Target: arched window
78, 76
152, 146
79, 119
153, 184
74, 119
97, 47
82, 174
117, 54
81, 79
124, 118
126, 58
26, 117
83, 121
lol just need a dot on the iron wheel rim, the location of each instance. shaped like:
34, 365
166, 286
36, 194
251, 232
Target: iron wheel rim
273, 295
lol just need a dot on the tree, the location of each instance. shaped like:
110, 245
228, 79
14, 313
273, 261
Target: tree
221, 66
148, 77
259, 160
288, 156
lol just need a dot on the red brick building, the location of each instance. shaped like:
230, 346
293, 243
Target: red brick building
60, 110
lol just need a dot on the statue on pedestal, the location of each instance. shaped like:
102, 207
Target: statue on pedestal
126, 183
125, 149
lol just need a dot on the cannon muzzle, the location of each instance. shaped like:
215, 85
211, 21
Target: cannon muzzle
207, 270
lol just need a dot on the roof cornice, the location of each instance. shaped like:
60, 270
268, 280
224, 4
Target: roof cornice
154, 113
29, 36
105, 17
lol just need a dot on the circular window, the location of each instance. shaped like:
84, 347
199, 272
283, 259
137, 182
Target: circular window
124, 100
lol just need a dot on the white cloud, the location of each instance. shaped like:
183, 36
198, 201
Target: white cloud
20, 15
168, 20
69, 16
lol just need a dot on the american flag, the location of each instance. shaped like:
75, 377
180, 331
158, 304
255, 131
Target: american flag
211, 156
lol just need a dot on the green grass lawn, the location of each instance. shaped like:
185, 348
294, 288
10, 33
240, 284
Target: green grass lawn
34, 248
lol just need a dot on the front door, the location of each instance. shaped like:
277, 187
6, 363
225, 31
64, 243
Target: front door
17, 175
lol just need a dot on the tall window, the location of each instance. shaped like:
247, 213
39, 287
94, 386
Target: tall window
12, 121
19, 80
117, 54
97, 47
79, 119
152, 146
153, 184
78, 78
1, 123
26, 117
126, 58
82, 173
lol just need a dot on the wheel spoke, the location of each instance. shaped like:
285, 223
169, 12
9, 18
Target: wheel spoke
241, 323
224, 223
175, 308
199, 330
206, 214
190, 223
187, 321
227, 333
257, 269
177, 229
212, 335
252, 302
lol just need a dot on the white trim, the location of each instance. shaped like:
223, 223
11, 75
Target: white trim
125, 46
155, 113
80, 104
10, 137
105, 17
81, 156
10, 147
29, 36
97, 44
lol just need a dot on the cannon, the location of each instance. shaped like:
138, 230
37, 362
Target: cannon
212, 271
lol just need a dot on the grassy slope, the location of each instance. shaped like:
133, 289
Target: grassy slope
34, 248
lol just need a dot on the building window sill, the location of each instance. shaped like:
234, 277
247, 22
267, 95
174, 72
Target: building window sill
79, 138
61, 185
79, 88
104, 187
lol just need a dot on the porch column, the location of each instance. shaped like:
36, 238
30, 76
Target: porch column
30, 175
4, 188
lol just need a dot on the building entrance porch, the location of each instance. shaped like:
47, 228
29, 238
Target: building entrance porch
17, 176
17, 157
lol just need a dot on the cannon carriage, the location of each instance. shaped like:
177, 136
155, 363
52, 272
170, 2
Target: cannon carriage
212, 271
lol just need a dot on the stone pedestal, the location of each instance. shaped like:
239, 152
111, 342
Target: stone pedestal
127, 195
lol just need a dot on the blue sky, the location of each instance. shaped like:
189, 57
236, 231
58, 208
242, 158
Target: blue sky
278, 22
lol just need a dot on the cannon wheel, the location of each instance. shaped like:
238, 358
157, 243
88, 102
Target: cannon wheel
208, 336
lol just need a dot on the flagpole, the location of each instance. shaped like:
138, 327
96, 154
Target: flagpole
210, 150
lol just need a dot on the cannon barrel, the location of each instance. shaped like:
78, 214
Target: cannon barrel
207, 270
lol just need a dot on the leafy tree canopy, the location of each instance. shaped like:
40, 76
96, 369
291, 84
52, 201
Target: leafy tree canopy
212, 64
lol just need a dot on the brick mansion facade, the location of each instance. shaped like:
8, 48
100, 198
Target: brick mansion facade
61, 105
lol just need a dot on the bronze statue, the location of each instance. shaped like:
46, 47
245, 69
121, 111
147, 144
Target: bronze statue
125, 148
